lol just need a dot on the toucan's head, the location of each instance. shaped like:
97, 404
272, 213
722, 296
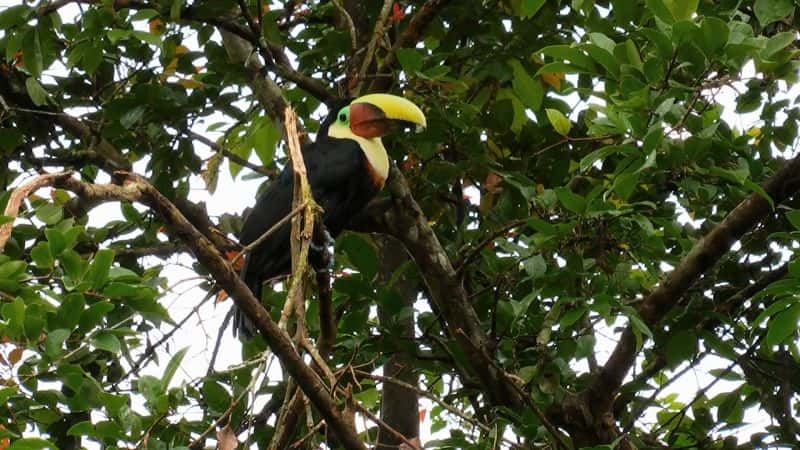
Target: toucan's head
372, 116
364, 120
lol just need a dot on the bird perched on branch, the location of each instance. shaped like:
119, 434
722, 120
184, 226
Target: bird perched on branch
347, 166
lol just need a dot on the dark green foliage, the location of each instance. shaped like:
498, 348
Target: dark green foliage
575, 153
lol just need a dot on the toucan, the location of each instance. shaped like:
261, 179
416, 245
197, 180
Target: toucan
347, 166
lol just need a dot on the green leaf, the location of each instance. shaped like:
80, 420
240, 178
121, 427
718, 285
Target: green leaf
682, 9
10, 139
680, 346
535, 266
529, 8
600, 154
50, 213
150, 387
144, 36
660, 10
778, 288
117, 34
105, 340
70, 310
32, 56
269, 27
570, 317
12, 16
636, 322
242, 150
265, 140
215, 395
132, 117
571, 200
605, 58
84, 428
768, 11
793, 217
38, 94
56, 241
528, 90
625, 184
116, 289
54, 342
173, 366
777, 43
12, 270
410, 60
361, 253
519, 118
175, 10
559, 121
98, 270
74, 266
144, 14
715, 35
783, 325
32, 444
41, 256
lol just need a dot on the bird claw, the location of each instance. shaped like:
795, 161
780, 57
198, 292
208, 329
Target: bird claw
322, 249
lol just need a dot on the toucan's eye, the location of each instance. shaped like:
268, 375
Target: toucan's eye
344, 115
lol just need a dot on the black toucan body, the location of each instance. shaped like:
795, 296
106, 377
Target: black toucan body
347, 166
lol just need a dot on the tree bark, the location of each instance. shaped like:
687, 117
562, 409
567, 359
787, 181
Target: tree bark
399, 405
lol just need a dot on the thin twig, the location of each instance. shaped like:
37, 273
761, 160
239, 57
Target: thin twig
150, 351
249, 247
350, 25
232, 156
386, 426
198, 441
377, 32
311, 432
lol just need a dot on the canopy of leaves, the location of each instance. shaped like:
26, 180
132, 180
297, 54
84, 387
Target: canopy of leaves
592, 214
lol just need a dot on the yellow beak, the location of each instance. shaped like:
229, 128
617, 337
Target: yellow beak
372, 109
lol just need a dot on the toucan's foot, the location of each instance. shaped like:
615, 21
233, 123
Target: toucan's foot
322, 250
327, 241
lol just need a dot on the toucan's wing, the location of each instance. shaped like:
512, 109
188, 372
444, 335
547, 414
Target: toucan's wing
335, 170
332, 165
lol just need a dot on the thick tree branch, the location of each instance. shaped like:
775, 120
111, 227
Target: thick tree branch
18, 195
399, 406
407, 222
705, 253
137, 189
709, 323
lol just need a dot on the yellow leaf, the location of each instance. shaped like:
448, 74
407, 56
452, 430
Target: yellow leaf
553, 79
170, 68
156, 26
181, 50
190, 83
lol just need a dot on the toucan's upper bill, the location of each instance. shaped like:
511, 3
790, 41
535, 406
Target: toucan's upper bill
373, 115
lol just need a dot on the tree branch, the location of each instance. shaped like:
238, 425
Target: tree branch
407, 222
705, 253
377, 32
137, 189
21, 193
412, 33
